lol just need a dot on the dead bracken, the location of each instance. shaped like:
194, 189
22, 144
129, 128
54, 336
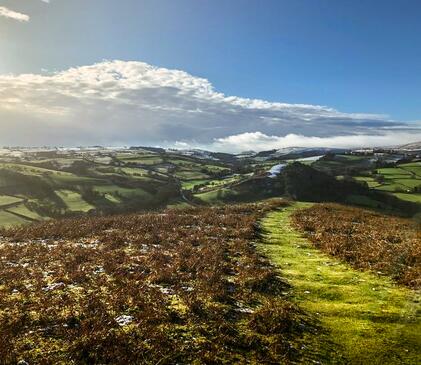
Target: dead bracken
383, 244
125, 289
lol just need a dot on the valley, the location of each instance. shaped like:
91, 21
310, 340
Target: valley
40, 184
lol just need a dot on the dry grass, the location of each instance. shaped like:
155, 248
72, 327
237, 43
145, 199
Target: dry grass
160, 288
367, 240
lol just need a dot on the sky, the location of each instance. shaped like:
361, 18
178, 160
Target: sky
229, 75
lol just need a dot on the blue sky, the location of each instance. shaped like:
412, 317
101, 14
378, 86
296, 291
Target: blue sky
352, 56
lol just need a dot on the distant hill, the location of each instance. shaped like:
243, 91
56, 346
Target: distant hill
415, 146
281, 153
297, 152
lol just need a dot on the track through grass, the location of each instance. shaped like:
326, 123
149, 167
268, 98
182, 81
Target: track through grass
368, 319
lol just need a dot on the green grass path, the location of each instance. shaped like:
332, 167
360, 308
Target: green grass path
366, 318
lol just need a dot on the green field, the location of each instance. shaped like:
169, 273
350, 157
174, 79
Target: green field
21, 209
71, 180
414, 198
371, 182
138, 174
8, 200
9, 219
401, 181
414, 168
74, 201
212, 184
53, 176
391, 187
394, 172
144, 160
216, 196
190, 175
189, 184
121, 191
31, 170
112, 198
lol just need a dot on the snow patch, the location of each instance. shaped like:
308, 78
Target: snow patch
124, 320
276, 170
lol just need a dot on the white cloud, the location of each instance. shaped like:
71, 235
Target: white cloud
7, 13
117, 102
259, 141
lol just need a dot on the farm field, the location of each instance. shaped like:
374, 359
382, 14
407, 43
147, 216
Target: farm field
402, 181
148, 160
74, 201
398, 179
372, 183
97, 182
402, 178
8, 220
107, 181
415, 198
23, 211
186, 175
215, 196
208, 184
8, 200
190, 184
119, 191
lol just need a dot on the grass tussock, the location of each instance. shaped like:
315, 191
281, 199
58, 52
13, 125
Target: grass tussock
367, 240
180, 287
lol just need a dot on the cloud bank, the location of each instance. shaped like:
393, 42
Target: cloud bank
259, 141
133, 103
8, 13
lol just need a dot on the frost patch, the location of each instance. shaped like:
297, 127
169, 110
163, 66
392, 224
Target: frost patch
53, 286
124, 320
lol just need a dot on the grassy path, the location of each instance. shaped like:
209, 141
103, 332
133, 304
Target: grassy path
367, 319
